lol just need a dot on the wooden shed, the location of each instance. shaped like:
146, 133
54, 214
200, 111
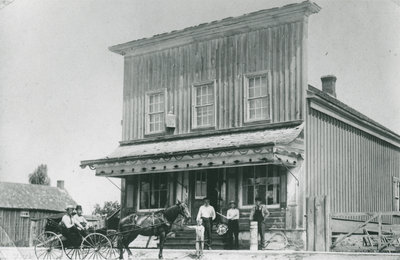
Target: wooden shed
20, 203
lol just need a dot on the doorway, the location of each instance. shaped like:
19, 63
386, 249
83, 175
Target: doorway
205, 183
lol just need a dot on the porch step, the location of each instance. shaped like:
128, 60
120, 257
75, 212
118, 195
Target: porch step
186, 239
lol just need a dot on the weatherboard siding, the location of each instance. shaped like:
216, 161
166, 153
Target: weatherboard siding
353, 167
280, 50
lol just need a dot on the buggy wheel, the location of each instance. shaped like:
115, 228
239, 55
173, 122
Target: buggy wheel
48, 245
277, 241
74, 253
97, 246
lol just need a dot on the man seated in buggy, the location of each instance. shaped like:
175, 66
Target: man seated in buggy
69, 228
80, 221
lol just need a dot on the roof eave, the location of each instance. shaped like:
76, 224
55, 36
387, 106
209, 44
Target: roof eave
268, 17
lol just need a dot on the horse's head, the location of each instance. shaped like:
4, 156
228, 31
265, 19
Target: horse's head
184, 210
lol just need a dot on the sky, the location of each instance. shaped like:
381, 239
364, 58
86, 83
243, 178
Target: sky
61, 89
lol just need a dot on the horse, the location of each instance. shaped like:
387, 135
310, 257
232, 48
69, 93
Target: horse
156, 224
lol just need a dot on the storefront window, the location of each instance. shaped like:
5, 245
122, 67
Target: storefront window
261, 181
153, 191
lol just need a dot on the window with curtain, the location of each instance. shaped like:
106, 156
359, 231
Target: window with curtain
153, 191
261, 181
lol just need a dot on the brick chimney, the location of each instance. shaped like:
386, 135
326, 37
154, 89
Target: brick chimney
60, 184
329, 84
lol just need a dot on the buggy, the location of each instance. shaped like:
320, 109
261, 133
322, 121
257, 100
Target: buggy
97, 244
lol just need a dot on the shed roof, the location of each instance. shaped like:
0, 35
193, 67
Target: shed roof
377, 127
32, 196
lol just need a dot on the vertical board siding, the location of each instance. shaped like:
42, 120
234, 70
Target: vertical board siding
14, 229
353, 167
278, 49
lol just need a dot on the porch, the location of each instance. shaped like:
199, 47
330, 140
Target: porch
238, 165
150, 192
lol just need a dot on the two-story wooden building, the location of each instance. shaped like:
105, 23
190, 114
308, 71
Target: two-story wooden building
226, 106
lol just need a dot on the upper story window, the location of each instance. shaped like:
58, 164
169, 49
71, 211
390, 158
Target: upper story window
155, 112
203, 102
257, 97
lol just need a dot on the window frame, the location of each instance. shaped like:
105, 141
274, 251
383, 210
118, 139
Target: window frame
246, 79
148, 114
201, 196
194, 104
396, 193
24, 214
139, 191
241, 185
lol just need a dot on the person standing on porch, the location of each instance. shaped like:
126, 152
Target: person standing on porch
207, 215
233, 224
259, 213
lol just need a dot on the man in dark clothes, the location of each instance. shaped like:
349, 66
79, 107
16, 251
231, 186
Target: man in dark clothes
259, 213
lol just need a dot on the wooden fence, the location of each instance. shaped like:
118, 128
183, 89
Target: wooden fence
376, 235
329, 231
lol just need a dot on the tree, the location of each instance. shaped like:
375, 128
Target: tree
108, 208
39, 176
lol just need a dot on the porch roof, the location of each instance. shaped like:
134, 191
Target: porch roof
227, 141
199, 147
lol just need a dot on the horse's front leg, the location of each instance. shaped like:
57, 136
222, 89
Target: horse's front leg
162, 240
130, 255
120, 247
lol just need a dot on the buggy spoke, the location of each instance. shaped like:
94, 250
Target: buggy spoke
48, 246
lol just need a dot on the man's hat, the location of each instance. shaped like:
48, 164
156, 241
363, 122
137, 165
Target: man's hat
205, 198
232, 202
258, 199
69, 207
78, 207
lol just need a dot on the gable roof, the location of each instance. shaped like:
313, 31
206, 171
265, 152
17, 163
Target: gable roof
32, 196
231, 25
